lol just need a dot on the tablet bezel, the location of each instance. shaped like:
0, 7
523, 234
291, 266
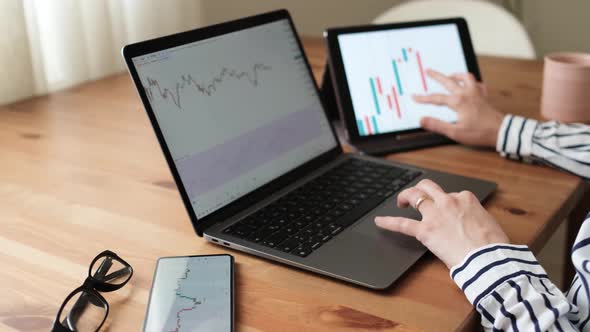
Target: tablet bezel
340, 81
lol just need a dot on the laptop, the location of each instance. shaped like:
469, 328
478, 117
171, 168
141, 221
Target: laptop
257, 163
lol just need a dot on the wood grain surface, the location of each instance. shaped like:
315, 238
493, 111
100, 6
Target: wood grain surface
81, 171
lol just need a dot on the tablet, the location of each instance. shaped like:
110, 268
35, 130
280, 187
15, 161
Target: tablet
376, 69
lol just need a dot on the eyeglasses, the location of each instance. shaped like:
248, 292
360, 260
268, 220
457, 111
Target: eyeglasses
85, 309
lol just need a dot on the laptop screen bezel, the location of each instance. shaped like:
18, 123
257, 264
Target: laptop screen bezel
154, 45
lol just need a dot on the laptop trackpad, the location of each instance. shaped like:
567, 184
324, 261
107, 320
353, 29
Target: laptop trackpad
370, 255
385, 240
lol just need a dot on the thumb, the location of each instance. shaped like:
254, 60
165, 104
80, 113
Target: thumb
438, 126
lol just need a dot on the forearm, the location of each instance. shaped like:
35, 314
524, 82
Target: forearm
563, 146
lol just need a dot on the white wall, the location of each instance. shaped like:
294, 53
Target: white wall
558, 25
553, 25
311, 16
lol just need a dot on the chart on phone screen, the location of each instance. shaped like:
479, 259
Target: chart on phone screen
236, 111
191, 294
385, 68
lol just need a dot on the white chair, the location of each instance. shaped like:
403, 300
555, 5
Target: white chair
493, 29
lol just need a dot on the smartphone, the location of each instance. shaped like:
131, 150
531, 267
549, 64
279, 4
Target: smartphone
192, 293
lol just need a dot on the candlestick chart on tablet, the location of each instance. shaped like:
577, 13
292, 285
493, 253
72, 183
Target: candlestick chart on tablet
385, 68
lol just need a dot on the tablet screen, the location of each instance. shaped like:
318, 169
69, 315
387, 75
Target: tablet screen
384, 68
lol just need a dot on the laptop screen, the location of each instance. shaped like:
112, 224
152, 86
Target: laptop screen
236, 111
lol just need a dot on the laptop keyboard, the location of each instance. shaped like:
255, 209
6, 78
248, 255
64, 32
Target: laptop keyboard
305, 219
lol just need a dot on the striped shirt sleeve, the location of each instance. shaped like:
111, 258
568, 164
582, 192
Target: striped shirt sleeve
512, 292
563, 146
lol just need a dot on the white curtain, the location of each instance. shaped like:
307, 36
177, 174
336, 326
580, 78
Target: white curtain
47, 45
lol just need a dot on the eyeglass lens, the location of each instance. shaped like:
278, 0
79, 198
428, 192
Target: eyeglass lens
83, 312
110, 270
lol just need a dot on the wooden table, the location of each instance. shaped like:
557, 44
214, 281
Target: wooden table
81, 171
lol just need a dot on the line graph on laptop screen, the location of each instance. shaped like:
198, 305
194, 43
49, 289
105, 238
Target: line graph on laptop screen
384, 68
236, 111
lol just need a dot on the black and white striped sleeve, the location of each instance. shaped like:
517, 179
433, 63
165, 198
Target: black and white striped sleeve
512, 292
563, 146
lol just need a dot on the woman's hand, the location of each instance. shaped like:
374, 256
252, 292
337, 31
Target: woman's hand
478, 122
452, 224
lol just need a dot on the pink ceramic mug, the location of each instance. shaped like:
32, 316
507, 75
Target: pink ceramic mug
566, 87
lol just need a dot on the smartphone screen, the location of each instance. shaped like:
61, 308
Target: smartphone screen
191, 293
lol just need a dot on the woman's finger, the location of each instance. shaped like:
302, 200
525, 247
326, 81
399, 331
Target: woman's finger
438, 126
445, 81
402, 225
410, 197
465, 78
432, 189
404, 198
435, 99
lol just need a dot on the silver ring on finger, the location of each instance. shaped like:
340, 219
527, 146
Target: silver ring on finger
419, 201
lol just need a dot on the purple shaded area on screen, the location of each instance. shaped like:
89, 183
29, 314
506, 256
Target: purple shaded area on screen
224, 162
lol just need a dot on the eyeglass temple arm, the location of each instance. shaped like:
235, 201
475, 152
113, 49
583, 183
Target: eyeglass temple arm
80, 304
114, 275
